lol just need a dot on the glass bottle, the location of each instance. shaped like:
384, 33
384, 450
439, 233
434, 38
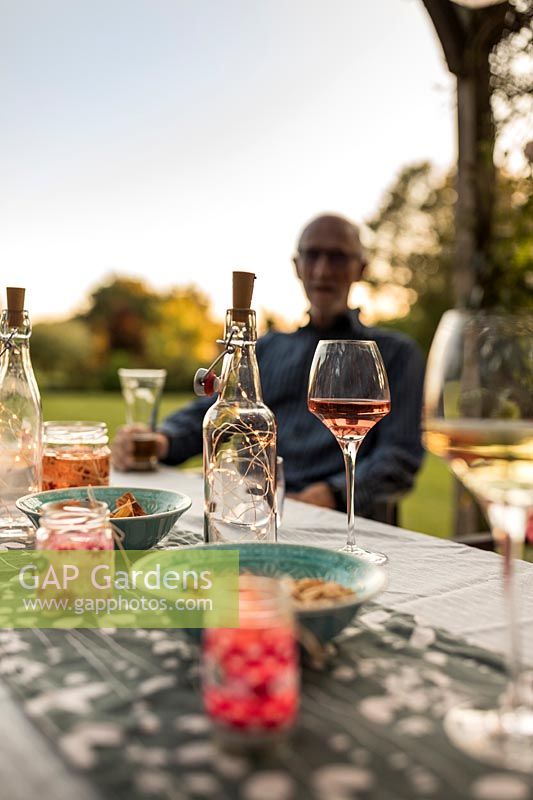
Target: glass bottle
75, 454
239, 433
20, 423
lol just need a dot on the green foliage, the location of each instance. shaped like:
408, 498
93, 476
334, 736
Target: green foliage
111, 363
509, 283
512, 84
63, 350
412, 250
120, 314
413, 247
127, 325
184, 337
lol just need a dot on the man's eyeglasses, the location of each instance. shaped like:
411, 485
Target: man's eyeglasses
337, 258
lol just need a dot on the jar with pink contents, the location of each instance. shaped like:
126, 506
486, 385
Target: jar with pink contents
250, 674
67, 525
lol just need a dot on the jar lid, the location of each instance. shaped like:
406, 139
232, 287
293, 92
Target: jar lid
75, 432
70, 516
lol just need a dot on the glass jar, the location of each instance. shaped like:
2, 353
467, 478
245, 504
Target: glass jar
74, 525
250, 674
75, 454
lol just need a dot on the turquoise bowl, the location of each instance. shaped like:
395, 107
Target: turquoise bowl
300, 561
163, 508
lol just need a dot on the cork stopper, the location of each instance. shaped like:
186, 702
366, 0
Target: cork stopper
243, 287
15, 305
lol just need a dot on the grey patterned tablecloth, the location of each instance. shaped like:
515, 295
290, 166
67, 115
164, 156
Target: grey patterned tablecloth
123, 708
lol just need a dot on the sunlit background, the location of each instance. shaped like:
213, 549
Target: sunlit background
175, 141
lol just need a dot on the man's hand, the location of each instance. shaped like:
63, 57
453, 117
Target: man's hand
318, 494
122, 447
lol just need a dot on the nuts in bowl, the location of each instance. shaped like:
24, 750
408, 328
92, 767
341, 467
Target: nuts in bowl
309, 592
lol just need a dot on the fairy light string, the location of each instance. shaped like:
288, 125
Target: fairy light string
8, 344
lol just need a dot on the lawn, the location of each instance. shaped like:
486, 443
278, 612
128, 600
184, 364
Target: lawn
105, 406
427, 509
429, 506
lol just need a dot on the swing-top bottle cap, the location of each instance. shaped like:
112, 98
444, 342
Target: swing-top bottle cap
15, 305
243, 287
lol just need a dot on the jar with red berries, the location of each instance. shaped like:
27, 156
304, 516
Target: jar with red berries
250, 674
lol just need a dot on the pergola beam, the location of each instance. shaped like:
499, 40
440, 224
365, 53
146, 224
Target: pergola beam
446, 21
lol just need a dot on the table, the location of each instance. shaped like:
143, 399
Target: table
455, 587
443, 584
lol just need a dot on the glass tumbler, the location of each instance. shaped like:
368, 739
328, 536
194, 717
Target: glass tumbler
250, 674
141, 389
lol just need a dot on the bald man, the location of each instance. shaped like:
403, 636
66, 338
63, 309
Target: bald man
328, 261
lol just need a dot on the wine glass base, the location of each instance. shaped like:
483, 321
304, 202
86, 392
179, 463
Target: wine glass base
364, 555
502, 738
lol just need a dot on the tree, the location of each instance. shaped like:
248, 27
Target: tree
119, 314
511, 67
184, 337
412, 250
482, 47
61, 350
508, 283
128, 324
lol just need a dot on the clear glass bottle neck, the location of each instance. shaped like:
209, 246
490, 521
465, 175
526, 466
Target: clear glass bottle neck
243, 323
240, 372
15, 347
14, 327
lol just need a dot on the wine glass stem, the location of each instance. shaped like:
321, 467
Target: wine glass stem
349, 449
511, 551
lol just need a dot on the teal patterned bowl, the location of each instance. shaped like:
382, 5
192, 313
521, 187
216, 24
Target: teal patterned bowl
300, 561
163, 508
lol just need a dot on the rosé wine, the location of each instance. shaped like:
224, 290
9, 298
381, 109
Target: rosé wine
348, 419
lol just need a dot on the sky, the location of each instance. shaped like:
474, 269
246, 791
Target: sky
177, 140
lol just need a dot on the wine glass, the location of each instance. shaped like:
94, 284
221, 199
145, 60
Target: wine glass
478, 415
349, 393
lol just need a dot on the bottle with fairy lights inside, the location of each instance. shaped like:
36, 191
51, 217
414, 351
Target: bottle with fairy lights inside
239, 434
20, 420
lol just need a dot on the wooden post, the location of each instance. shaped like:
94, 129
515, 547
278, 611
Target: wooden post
467, 37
